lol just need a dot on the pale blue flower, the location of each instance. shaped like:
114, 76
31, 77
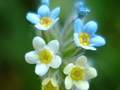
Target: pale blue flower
44, 19
82, 11
45, 2
84, 36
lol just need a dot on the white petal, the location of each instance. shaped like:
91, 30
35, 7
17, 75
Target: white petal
56, 62
81, 61
33, 18
41, 69
76, 40
82, 85
41, 27
68, 82
38, 43
88, 47
90, 73
68, 68
53, 46
31, 57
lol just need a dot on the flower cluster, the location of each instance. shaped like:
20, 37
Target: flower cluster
60, 63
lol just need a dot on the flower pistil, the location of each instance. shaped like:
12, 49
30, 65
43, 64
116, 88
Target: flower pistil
45, 56
84, 38
45, 21
76, 73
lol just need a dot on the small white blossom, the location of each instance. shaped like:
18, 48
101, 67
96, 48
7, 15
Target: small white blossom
44, 55
78, 74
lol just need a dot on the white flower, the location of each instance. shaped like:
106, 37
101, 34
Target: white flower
78, 74
44, 55
44, 19
50, 84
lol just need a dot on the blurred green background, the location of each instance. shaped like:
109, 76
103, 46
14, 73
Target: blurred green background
16, 34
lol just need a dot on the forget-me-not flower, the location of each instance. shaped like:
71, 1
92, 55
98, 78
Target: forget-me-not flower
44, 55
44, 19
81, 9
84, 36
78, 74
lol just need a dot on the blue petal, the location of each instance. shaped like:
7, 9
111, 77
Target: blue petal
78, 26
90, 27
55, 13
97, 41
43, 11
33, 18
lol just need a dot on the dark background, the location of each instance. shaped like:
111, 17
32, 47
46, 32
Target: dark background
16, 34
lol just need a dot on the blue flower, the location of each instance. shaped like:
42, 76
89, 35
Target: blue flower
82, 11
44, 19
84, 36
45, 2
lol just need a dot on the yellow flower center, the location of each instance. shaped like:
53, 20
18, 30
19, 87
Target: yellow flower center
84, 38
49, 86
46, 21
45, 56
76, 73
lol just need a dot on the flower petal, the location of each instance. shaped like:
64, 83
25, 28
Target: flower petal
55, 13
41, 27
31, 57
81, 61
53, 22
82, 85
41, 69
33, 18
53, 46
45, 81
76, 40
68, 82
78, 26
88, 47
54, 82
38, 43
56, 62
90, 73
97, 41
90, 27
43, 11
68, 68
